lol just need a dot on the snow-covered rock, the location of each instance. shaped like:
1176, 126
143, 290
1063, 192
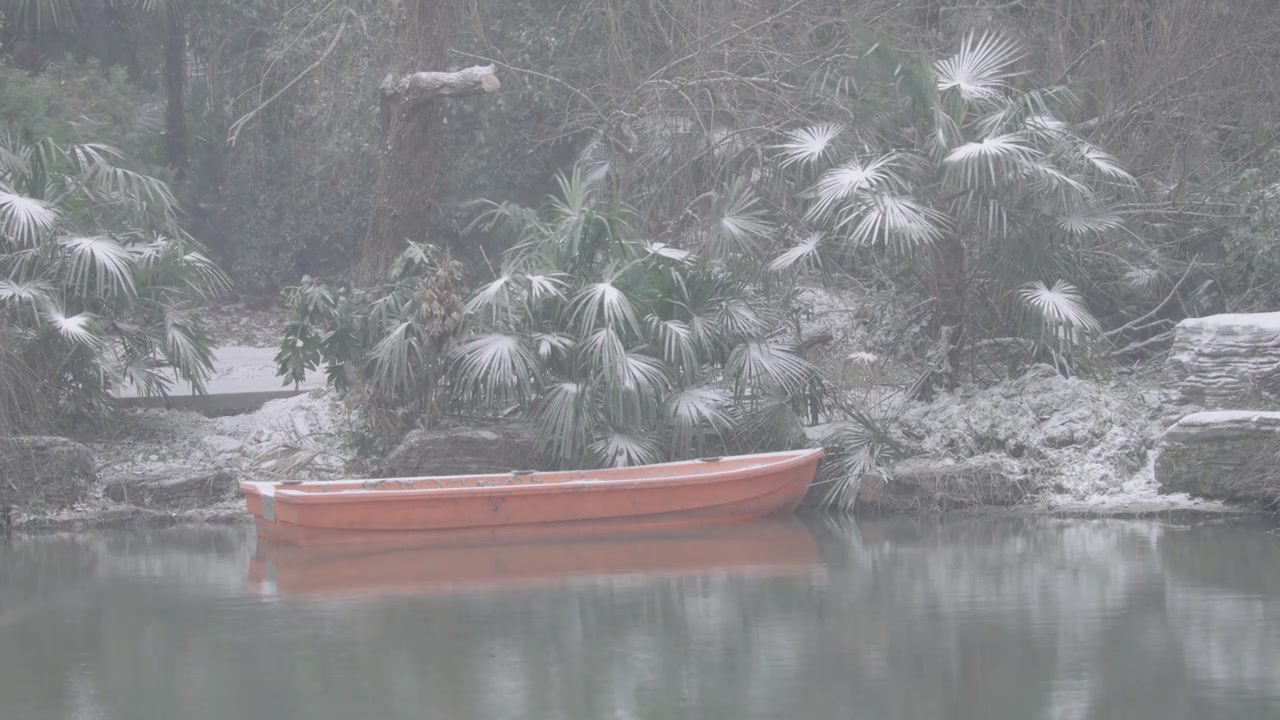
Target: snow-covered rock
1227, 455
1222, 362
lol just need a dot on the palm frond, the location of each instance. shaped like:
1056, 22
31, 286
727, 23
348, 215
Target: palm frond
804, 253
493, 368
844, 181
100, 264
493, 297
1089, 221
33, 293
622, 449
981, 69
552, 345
676, 340
23, 218
187, 349
806, 146
740, 222
900, 222
768, 365
566, 420
603, 304
989, 160
1062, 304
80, 329
395, 358
1106, 164
694, 410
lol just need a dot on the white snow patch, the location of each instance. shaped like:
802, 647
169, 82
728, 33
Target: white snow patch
1260, 321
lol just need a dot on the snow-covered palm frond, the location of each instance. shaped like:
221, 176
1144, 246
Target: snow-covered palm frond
804, 253
603, 304
1144, 278
495, 367
33, 293
850, 178
768, 365
806, 146
898, 221
982, 68
989, 160
665, 251
100, 264
774, 425
112, 184
1105, 163
677, 343
737, 317
566, 420
552, 345
80, 329
1050, 181
1089, 221
23, 218
85, 155
395, 359
545, 286
493, 298
187, 349
603, 353
698, 409
623, 449
1062, 304
636, 387
739, 221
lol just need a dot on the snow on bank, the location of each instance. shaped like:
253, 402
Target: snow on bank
155, 442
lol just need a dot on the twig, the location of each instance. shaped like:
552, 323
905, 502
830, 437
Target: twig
1132, 324
1158, 339
534, 73
233, 132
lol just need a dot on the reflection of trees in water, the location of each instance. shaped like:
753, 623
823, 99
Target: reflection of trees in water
978, 618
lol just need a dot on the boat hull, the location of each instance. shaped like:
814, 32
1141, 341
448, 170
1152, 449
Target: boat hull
495, 506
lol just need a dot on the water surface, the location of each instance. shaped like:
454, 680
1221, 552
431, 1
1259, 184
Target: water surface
971, 619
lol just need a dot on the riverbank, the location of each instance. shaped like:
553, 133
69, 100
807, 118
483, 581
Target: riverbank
1038, 443
1099, 464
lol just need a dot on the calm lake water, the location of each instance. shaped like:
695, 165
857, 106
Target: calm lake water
972, 619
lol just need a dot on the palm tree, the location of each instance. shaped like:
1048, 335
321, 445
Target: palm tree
625, 351
985, 181
94, 274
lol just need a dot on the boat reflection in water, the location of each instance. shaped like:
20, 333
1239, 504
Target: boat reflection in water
451, 562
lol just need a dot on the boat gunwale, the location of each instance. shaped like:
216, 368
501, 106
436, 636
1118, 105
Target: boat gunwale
785, 460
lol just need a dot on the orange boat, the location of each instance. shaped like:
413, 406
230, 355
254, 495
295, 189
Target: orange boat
773, 547
492, 507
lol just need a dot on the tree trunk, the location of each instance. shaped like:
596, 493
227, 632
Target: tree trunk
400, 211
950, 273
175, 78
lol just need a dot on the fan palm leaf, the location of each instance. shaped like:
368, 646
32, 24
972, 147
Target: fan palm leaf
898, 221
990, 160
740, 222
22, 218
981, 69
694, 410
769, 365
845, 181
806, 253
495, 367
1062, 304
619, 448
806, 146
100, 265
